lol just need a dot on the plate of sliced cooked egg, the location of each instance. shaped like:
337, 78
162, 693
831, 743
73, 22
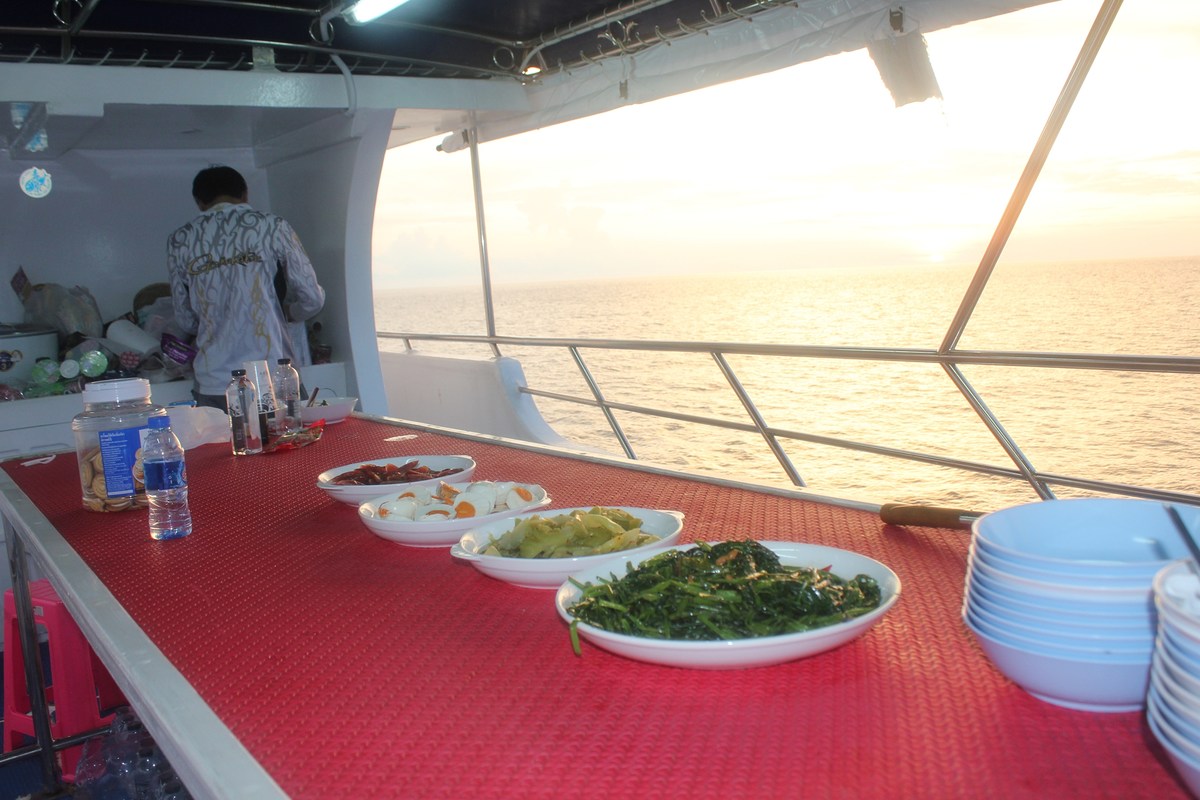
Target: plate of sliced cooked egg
437, 516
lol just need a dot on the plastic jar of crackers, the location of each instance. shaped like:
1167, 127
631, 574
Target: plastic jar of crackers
108, 442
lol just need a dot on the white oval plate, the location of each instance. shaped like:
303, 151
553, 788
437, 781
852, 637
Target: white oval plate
440, 533
549, 573
740, 653
357, 495
333, 410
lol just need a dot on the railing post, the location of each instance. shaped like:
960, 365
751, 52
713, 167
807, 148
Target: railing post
604, 407
1033, 168
757, 418
489, 310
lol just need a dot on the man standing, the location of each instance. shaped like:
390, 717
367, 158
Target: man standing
238, 277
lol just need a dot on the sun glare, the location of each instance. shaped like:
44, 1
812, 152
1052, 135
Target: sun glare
836, 174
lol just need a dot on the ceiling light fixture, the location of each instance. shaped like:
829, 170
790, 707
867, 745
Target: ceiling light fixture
367, 10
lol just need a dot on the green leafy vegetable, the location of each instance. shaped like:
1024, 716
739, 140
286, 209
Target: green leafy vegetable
729, 590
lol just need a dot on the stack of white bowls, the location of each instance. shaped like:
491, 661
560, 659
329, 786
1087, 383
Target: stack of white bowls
1059, 595
1173, 702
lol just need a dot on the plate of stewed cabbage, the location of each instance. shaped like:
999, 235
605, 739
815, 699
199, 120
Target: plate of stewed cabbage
538, 551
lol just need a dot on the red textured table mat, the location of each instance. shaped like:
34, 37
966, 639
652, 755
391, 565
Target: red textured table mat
354, 667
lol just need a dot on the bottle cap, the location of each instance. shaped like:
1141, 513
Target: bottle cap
93, 363
69, 368
45, 370
118, 390
284, 361
238, 373
159, 422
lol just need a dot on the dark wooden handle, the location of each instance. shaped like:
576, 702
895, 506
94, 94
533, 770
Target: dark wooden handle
926, 516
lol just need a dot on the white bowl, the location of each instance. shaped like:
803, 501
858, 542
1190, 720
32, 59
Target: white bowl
1181, 665
1184, 703
1126, 611
1101, 652
1171, 712
1096, 576
1140, 593
356, 495
1177, 594
1078, 683
1063, 635
439, 533
1159, 711
1187, 767
1182, 628
1086, 533
1083, 623
331, 409
741, 653
549, 573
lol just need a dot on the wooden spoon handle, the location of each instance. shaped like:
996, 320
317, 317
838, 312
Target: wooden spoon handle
926, 516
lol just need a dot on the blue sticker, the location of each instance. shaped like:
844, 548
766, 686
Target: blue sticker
119, 451
35, 182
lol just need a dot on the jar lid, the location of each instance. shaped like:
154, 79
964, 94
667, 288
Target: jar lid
118, 390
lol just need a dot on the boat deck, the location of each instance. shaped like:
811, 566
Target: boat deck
346, 665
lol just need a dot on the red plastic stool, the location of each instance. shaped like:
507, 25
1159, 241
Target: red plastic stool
79, 687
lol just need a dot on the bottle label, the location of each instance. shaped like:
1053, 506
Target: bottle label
165, 475
120, 450
238, 423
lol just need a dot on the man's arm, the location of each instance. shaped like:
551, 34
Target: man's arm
305, 297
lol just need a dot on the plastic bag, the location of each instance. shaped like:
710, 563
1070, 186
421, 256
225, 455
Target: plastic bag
69, 311
197, 425
158, 318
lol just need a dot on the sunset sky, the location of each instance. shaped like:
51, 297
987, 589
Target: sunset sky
815, 166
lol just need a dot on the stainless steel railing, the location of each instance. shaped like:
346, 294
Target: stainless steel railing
951, 361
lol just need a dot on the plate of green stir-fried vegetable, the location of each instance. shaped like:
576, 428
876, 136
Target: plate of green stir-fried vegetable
727, 605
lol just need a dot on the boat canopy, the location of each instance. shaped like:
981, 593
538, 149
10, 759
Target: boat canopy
445, 65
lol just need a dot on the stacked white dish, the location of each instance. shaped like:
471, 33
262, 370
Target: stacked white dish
1173, 702
1059, 594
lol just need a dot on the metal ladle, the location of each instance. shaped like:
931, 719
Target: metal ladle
1188, 539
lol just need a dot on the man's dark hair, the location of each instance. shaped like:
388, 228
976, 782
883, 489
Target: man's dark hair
212, 182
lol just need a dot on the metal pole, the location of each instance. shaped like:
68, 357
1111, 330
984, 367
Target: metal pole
1033, 168
34, 681
1002, 436
760, 424
472, 137
604, 406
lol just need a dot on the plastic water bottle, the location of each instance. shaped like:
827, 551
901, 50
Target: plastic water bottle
287, 390
149, 765
166, 481
244, 423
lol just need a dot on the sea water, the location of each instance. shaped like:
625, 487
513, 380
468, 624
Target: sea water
1134, 428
